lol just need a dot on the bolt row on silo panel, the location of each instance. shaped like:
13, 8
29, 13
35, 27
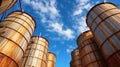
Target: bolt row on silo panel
76, 59
89, 52
104, 21
37, 56
51, 59
6, 4
15, 33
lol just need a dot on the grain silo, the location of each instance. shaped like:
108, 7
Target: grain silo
6, 4
51, 60
37, 56
89, 52
104, 21
76, 59
15, 33
26, 55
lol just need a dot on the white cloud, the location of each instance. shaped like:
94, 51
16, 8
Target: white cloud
27, 1
80, 25
58, 28
88, 6
70, 48
50, 16
79, 15
44, 8
77, 12
81, 6
83, 2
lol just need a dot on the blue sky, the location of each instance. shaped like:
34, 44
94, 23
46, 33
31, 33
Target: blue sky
61, 22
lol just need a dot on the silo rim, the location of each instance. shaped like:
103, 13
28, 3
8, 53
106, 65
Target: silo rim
25, 13
74, 50
97, 5
43, 38
81, 35
53, 53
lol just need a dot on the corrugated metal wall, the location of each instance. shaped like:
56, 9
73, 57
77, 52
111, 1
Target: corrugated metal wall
6, 4
89, 52
51, 60
76, 58
15, 34
104, 21
37, 56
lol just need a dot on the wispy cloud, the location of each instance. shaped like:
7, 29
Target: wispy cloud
47, 9
77, 12
70, 48
58, 28
81, 6
83, 2
80, 25
79, 15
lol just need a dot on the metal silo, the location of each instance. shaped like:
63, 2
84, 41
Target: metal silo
51, 60
76, 59
89, 52
15, 33
104, 21
6, 4
37, 56
26, 55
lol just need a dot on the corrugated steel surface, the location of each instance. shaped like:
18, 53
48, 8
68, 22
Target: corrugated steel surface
76, 58
51, 60
14, 37
76, 63
75, 54
89, 52
26, 55
37, 56
6, 61
104, 21
6, 4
